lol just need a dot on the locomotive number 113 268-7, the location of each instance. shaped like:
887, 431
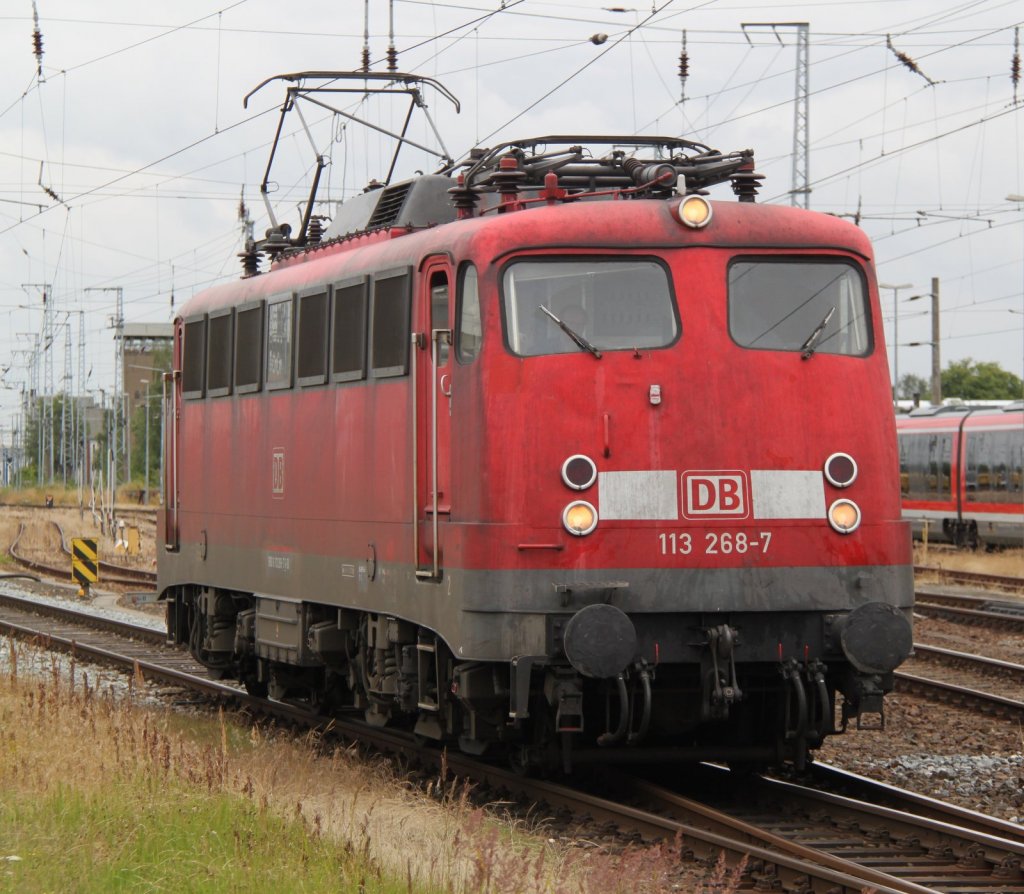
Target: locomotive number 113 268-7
714, 543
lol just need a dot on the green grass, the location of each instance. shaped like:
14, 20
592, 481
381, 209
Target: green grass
132, 838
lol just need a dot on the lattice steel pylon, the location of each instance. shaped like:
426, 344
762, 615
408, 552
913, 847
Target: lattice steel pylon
800, 191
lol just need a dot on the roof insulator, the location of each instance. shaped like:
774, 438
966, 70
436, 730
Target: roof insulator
463, 198
316, 229
746, 182
508, 179
250, 262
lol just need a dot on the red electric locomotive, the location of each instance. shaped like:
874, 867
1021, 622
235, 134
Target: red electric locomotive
962, 474
549, 456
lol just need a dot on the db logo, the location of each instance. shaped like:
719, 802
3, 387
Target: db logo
715, 494
277, 473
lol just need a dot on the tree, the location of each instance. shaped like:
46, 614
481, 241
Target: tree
49, 438
149, 405
911, 386
983, 380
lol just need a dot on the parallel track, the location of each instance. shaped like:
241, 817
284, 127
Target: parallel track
109, 573
984, 684
999, 614
112, 570
974, 578
852, 846
898, 846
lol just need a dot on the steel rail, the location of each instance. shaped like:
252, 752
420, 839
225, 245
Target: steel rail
891, 847
951, 693
982, 663
46, 608
976, 578
971, 608
846, 782
110, 570
123, 580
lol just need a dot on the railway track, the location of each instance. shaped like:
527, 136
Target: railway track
786, 835
971, 609
973, 578
112, 570
110, 573
908, 844
975, 682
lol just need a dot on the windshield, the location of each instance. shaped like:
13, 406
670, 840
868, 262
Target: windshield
612, 305
778, 305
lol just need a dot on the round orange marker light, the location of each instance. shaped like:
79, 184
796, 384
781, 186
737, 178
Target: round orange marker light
844, 516
694, 212
579, 518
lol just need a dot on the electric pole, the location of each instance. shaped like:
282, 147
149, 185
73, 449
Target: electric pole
800, 192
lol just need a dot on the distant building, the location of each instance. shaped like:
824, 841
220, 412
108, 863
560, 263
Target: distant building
140, 342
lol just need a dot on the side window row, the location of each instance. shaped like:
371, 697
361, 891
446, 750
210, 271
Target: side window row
317, 335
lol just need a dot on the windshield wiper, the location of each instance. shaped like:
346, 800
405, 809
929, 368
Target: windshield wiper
575, 336
807, 348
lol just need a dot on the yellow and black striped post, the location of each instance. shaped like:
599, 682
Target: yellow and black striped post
85, 566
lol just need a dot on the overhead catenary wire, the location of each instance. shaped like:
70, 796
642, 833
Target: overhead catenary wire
647, 35
584, 67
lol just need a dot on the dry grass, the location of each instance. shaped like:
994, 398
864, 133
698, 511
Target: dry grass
127, 495
90, 782
41, 541
1009, 562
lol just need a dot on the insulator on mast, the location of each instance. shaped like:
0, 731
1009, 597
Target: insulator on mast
1015, 64
392, 52
684, 70
366, 36
37, 41
906, 60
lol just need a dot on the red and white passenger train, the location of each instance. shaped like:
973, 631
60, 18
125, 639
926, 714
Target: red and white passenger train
550, 457
962, 474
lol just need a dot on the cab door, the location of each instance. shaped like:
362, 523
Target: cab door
171, 413
433, 390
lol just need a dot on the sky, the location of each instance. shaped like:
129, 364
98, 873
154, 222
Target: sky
125, 149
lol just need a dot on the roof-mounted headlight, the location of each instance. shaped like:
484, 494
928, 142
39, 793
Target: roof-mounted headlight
694, 211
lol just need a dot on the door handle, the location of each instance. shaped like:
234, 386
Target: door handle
446, 385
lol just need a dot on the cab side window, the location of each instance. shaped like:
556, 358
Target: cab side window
439, 298
470, 333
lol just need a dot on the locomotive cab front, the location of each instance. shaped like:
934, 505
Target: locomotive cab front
686, 438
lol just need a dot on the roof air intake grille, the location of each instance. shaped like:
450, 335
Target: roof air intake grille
389, 207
